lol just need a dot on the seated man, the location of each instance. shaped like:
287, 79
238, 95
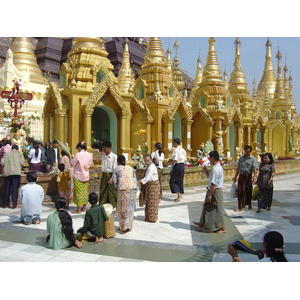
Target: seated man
31, 198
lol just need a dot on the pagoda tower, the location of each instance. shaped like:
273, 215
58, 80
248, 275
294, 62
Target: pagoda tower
197, 79
156, 79
176, 71
126, 75
266, 86
24, 59
21, 64
210, 100
238, 87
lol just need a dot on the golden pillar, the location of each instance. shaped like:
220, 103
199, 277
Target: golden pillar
60, 129
47, 124
264, 139
226, 139
124, 142
168, 137
254, 143
270, 141
87, 126
187, 124
248, 135
75, 119
238, 140
288, 134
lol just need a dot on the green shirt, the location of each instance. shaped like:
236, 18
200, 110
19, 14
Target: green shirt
94, 221
57, 238
247, 164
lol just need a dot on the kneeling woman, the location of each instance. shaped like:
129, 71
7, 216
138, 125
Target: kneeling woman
59, 226
153, 193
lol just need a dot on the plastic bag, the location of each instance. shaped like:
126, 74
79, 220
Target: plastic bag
254, 192
234, 190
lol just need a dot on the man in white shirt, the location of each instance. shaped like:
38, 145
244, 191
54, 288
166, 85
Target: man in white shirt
177, 173
31, 198
212, 217
108, 192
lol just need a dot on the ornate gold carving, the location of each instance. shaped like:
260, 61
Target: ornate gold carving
100, 90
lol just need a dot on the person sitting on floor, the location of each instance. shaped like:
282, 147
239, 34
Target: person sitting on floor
31, 198
60, 228
93, 226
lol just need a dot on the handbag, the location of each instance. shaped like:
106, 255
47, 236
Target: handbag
255, 192
234, 190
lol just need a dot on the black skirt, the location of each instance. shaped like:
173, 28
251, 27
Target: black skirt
176, 180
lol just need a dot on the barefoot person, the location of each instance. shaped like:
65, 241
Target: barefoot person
93, 226
125, 182
81, 162
212, 218
60, 228
153, 194
246, 170
108, 192
31, 198
177, 173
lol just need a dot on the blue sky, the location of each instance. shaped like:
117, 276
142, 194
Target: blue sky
253, 51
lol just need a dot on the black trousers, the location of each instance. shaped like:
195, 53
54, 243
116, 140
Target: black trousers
176, 180
12, 183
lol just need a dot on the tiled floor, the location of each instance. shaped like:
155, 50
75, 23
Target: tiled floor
173, 238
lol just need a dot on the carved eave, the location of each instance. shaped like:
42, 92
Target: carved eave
99, 91
106, 70
53, 93
143, 109
234, 110
273, 124
139, 82
174, 105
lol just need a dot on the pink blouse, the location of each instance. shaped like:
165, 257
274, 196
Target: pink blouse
82, 161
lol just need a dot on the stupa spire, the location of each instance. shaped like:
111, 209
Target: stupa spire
237, 76
176, 71
268, 80
154, 54
279, 89
125, 75
25, 59
169, 62
285, 78
212, 69
198, 77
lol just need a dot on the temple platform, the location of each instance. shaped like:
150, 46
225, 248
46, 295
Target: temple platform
173, 238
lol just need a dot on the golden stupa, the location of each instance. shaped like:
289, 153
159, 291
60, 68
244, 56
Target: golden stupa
90, 99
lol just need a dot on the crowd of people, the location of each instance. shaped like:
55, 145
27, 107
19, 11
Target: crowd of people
120, 188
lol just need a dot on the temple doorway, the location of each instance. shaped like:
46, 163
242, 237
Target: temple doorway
177, 127
105, 125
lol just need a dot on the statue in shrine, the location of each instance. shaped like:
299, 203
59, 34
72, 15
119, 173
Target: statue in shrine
219, 140
138, 158
157, 93
201, 152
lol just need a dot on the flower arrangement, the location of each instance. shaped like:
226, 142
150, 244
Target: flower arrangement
19, 122
145, 148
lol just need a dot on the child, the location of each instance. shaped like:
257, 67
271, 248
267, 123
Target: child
64, 188
93, 226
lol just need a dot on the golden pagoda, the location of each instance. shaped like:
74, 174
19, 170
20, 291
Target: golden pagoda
91, 102
24, 58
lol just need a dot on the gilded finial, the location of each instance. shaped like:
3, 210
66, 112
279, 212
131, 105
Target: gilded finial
176, 45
